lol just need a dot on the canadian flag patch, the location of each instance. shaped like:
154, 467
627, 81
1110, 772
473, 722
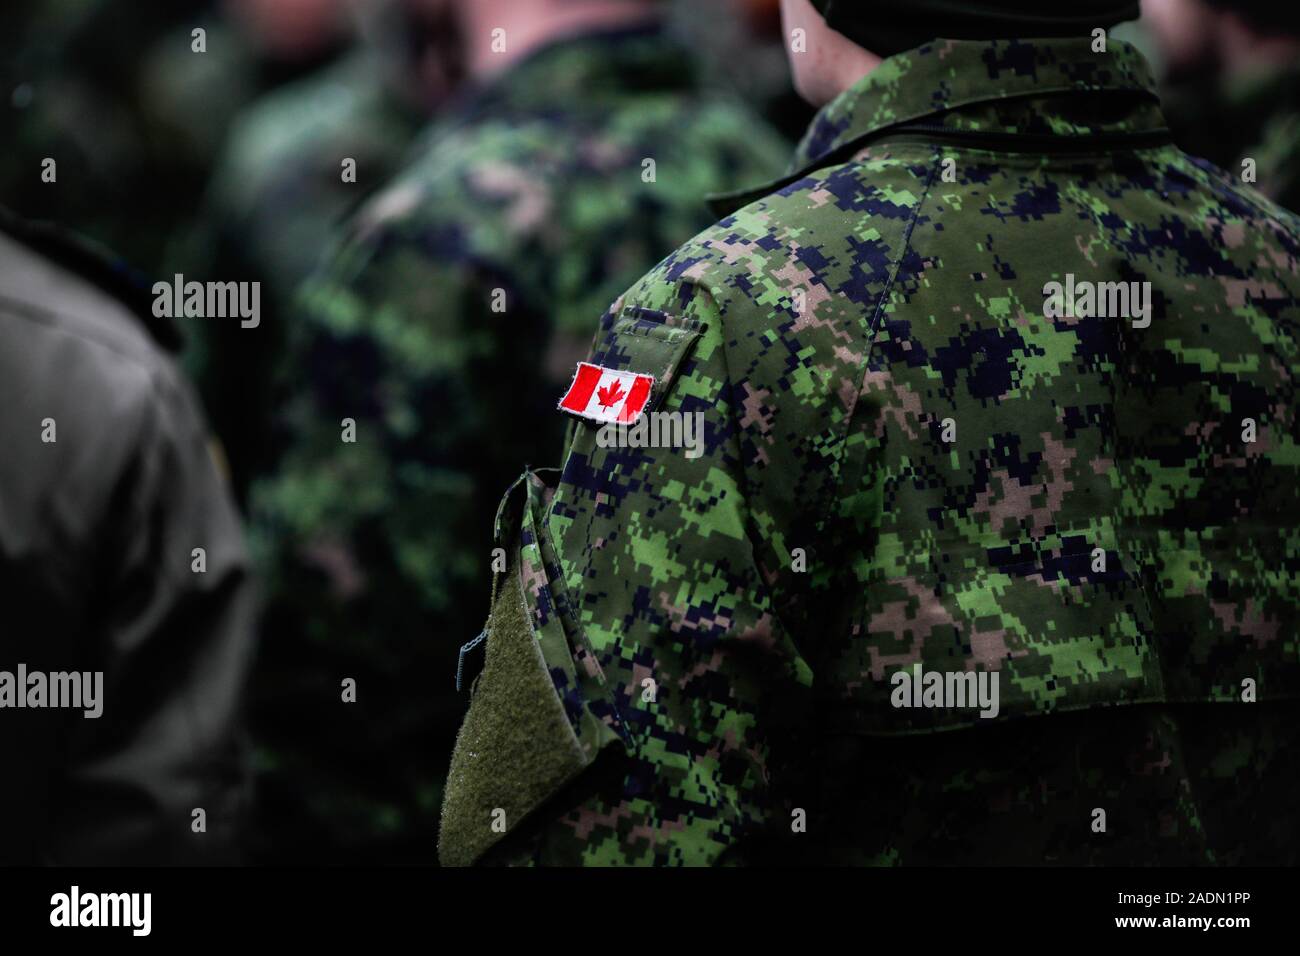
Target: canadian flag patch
607, 395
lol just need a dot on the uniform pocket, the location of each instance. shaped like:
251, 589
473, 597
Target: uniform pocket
541, 712
651, 342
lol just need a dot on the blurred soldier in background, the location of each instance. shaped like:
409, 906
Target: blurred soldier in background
1261, 58
1231, 85
969, 569
248, 48
1177, 37
295, 163
72, 96
432, 348
743, 49
120, 553
131, 112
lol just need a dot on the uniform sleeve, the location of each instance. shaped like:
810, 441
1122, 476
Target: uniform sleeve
665, 577
178, 613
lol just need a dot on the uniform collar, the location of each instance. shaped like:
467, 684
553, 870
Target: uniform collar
982, 85
946, 75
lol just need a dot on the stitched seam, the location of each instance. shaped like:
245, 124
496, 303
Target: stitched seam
571, 611
824, 509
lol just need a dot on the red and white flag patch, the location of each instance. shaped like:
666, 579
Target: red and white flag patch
607, 395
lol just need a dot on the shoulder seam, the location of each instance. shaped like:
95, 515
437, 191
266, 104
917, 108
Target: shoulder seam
1228, 184
824, 507
25, 311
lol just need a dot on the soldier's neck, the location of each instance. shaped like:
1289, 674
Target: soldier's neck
500, 33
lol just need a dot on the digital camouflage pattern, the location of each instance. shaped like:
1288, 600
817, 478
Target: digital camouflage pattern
445, 326
886, 404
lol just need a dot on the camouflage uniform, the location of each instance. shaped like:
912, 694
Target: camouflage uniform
279, 186
444, 326
276, 192
1069, 503
98, 572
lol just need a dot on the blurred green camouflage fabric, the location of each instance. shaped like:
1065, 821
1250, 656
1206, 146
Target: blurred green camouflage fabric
279, 186
1070, 503
1268, 104
445, 325
115, 93
1230, 84
71, 76
744, 50
1259, 109
195, 96
276, 193
1253, 115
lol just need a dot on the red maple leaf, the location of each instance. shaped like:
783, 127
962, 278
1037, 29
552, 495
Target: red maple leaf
609, 395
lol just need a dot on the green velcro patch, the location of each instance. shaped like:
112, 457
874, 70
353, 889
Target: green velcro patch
515, 748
